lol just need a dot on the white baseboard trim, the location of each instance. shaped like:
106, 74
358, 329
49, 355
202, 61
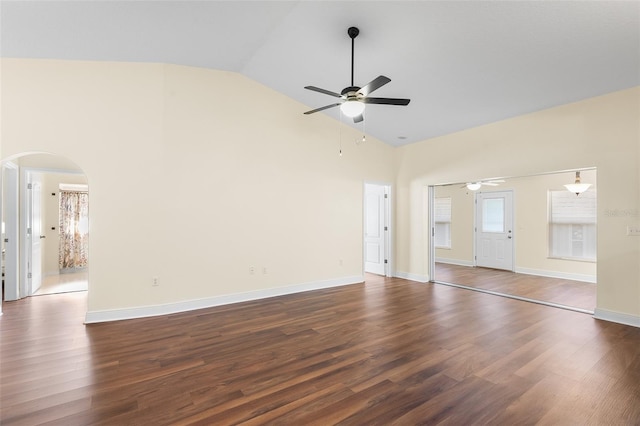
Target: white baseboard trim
553, 274
618, 317
458, 262
190, 305
411, 277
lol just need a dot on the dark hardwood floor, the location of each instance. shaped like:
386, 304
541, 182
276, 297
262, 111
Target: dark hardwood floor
386, 352
576, 294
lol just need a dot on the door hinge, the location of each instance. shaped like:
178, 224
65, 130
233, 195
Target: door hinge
386, 228
386, 196
29, 186
386, 261
6, 240
29, 275
28, 231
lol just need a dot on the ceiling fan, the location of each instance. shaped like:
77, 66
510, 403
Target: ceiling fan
474, 186
354, 98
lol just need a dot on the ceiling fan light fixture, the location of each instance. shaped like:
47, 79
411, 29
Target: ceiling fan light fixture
577, 187
353, 98
352, 108
474, 186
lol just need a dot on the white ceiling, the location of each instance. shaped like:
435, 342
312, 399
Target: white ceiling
463, 64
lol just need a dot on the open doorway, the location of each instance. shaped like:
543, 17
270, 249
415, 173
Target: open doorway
73, 237
554, 250
32, 242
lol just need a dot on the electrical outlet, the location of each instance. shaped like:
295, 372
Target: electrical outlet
155, 282
633, 231
252, 270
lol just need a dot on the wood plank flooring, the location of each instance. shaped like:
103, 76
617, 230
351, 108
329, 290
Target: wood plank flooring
64, 283
386, 352
571, 293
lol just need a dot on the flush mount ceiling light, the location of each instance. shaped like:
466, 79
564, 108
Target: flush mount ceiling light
353, 98
577, 187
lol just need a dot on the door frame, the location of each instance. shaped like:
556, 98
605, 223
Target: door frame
11, 211
388, 220
513, 224
431, 234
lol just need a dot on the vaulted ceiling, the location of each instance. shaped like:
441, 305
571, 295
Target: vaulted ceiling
463, 64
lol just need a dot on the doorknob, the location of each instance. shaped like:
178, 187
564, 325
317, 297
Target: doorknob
43, 236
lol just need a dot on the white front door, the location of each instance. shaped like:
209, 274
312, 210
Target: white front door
375, 227
494, 230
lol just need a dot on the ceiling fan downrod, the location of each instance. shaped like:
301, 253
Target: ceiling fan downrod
353, 33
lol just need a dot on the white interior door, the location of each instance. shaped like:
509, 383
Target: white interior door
494, 230
31, 251
36, 239
375, 228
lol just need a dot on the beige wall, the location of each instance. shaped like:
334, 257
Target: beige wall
530, 224
461, 251
229, 174
602, 132
195, 175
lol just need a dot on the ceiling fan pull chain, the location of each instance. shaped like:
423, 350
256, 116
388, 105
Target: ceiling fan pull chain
340, 135
364, 130
363, 139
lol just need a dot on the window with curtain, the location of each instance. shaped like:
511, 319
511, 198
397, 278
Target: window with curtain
74, 230
572, 225
442, 219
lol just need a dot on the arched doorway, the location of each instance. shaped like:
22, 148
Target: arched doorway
42, 195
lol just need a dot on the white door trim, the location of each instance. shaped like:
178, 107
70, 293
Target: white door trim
10, 210
431, 199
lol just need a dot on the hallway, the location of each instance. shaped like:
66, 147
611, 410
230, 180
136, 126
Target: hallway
64, 283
